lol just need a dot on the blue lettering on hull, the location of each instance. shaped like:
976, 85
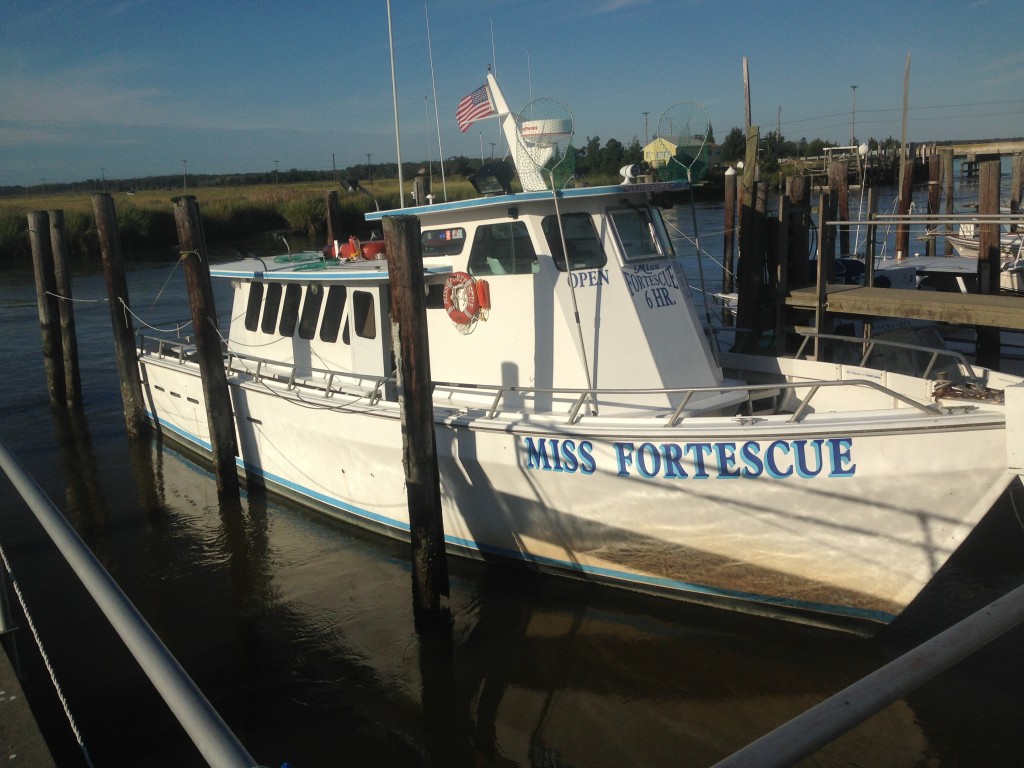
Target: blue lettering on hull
777, 459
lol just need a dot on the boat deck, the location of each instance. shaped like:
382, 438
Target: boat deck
946, 307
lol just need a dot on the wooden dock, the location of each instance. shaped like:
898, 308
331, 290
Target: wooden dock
21, 743
957, 308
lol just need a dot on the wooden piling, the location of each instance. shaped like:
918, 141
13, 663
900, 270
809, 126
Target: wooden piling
989, 258
903, 209
120, 315
219, 416
421, 188
66, 308
1016, 180
781, 274
870, 249
419, 449
48, 304
826, 259
839, 193
334, 234
934, 179
729, 242
946, 154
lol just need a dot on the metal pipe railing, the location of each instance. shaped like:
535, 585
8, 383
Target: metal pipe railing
218, 745
807, 733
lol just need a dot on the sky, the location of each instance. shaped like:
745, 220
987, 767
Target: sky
112, 89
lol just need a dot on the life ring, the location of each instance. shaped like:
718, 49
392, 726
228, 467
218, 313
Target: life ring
460, 298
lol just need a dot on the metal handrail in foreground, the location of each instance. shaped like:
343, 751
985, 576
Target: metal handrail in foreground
807, 733
218, 745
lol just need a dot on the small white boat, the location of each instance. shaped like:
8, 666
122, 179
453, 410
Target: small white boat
966, 243
620, 446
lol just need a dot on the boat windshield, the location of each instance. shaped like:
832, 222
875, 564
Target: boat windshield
636, 233
585, 251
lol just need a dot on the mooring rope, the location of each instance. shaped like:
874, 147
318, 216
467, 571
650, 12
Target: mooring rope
45, 657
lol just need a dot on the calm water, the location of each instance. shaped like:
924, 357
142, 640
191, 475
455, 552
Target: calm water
300, 630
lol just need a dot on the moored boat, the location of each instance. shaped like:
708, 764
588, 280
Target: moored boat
586, 425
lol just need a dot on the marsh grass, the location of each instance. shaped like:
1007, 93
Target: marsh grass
145, 220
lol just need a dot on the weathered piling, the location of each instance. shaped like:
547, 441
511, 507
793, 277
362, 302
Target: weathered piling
903, 209
934, 189
750, 265
120, 315
782, 258
334, 236
419, 448
729, 241
66, 307
946, 155
839, 193
826, 267
989, 258
48, 304
421, 188
1016, 180
220, 419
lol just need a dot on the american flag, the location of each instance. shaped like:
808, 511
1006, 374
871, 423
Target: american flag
478, 104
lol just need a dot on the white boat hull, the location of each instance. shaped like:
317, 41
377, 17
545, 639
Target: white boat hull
850, 532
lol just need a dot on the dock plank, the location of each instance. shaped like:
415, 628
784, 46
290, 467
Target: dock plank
21, 743
958, 308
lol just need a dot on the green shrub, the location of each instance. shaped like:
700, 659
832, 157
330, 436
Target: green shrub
14, 244
306, 214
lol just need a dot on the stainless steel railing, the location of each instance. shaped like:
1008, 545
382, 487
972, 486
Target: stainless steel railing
218, 745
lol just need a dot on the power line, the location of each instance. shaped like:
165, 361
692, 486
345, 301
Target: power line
912, 109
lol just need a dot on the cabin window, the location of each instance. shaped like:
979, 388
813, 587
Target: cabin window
311, 310
271, 307
443, 242
333, 313
252, 309
635, 231
290, 311
502, 249
585, 251
364, 318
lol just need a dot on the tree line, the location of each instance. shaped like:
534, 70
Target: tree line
592, 159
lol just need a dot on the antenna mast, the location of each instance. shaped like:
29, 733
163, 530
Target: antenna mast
437, 119
394, 97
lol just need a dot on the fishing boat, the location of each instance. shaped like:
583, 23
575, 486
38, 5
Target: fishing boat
586, 425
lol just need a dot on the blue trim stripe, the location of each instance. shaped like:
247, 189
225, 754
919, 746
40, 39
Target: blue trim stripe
610, 574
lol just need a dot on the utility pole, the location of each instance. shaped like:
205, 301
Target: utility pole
646, 140
368, 174
184, 174
276, 177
